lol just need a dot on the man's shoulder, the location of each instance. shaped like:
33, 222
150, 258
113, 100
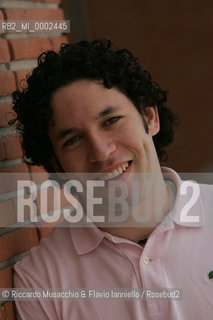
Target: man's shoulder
47, 254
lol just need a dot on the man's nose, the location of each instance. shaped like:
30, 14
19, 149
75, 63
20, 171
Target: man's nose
100, 146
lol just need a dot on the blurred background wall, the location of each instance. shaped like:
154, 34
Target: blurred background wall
174, 41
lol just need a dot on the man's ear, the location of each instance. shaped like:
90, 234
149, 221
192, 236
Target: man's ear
152, 119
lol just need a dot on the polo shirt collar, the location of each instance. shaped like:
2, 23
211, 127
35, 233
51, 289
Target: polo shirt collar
86, 239
188, 209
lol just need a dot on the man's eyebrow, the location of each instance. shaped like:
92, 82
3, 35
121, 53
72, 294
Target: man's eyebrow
105, 112
64, 133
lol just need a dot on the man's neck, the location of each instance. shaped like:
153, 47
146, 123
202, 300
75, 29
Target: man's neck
143, 217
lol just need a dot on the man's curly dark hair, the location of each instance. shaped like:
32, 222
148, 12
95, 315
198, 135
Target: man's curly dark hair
96, 60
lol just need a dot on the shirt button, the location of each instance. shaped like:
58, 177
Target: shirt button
146, 260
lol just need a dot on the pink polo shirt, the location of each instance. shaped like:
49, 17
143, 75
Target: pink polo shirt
176, 255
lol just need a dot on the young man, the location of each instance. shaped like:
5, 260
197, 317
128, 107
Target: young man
93, 111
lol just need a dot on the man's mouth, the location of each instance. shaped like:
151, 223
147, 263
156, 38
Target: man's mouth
115, 173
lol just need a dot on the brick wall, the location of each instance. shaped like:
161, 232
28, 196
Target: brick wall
18, 53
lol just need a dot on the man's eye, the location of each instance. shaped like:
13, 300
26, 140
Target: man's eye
112, 120
71, 141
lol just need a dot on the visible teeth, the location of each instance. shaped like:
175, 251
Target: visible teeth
109, 176
120, 170
114, 173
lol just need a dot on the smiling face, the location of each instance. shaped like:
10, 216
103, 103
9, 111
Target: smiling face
99, 130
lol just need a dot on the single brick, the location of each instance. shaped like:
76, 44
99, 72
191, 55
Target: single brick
12, 147
45, 14
37, 169
7, 214
5, 54
9, 179
6, 278
2, 18
17, 241
6, 114
2, 150
7, 82
28, 48
18, 168
14, 14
